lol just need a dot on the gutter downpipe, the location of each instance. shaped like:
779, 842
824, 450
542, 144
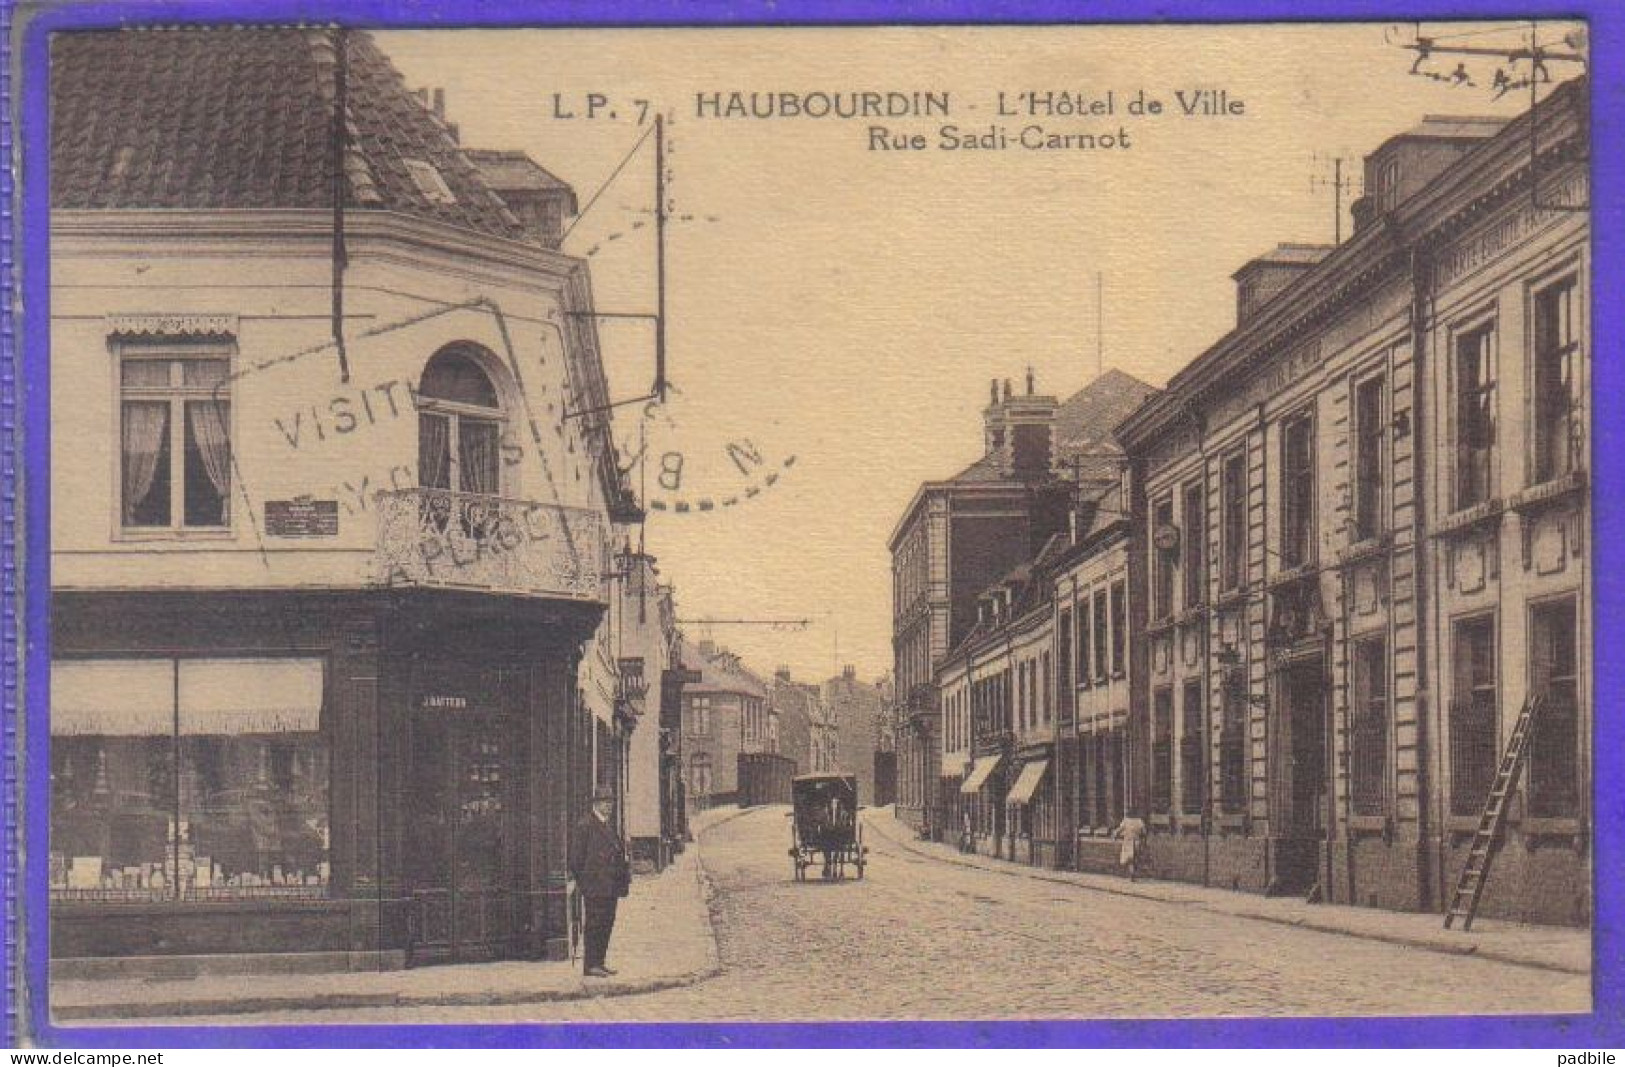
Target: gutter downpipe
1430, 842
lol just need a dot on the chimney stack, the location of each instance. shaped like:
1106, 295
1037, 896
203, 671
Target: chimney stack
439, 105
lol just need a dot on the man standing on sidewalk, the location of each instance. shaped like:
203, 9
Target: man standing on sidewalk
603, 874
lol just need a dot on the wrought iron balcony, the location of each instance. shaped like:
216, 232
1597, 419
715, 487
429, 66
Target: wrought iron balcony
443, 539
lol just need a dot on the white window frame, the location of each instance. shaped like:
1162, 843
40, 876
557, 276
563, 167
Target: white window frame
176, 395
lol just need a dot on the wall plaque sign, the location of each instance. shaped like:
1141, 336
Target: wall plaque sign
302, 517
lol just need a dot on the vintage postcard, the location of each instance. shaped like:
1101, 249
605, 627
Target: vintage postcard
546, 525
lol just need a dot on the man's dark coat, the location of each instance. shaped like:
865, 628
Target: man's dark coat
598, 860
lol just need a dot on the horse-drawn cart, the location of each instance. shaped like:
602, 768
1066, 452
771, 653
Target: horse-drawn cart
824, 825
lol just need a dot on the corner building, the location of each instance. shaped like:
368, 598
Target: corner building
326, 556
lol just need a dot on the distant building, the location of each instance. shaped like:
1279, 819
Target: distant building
957, 537
804, 727
726, 712
644, 627
855, 709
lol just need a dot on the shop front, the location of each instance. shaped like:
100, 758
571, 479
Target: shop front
335, 781
1032, 812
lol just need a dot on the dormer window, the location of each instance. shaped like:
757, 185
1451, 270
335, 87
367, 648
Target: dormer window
1386, 193
430, 182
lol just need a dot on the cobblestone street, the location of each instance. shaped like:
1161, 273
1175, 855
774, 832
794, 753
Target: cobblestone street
924, 938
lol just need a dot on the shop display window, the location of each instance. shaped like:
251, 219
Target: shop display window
192, 779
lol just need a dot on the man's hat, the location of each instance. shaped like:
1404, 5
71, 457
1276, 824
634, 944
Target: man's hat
603, 792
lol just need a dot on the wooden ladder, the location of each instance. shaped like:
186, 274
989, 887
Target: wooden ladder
1470, 885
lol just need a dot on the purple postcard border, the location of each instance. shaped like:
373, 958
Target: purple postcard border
25, 390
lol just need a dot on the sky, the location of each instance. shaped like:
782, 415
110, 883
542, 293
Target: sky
835, 311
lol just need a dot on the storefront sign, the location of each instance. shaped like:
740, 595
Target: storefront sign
432, 700
302, 517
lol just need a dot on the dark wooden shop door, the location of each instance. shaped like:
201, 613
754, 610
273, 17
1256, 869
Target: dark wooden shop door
460, 837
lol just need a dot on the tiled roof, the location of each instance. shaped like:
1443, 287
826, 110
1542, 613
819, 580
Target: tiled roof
1085, 420
513, 169
719, 673
221, 117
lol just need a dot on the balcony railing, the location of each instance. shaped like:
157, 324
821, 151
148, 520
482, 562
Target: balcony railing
443, 539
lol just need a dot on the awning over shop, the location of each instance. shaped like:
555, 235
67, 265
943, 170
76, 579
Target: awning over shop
980, 772
113, 698
250, 696
1027, 782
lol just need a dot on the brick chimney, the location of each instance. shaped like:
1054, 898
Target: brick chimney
1019, 430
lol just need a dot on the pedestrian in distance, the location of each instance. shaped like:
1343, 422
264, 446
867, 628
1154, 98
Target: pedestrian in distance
1132, 832
603, 875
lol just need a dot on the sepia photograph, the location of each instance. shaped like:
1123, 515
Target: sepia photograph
813, 524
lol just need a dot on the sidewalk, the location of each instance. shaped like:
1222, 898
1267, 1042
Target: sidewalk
1550, 948
663, 939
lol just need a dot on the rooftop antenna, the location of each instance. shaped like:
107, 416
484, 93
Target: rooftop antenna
1338, 184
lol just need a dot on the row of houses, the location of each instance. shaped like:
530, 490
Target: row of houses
744, 736
351, 612
1290, 610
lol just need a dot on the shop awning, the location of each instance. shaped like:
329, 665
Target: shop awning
1027, 782
113, 698
980, 772
250, 696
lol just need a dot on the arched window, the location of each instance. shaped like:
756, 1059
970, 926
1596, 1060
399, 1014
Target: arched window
459, 425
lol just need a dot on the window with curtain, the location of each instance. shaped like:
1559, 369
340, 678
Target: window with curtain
1557, 342
1370, 452
1297, 491
1192, 750
174, 437
1369, 743
1193, 545
1233, 530
1554, 744
189, 779
1046, 699
460, 422
1162, 750
1102, 635
1085, 644
1474, 740
1474, 415
1162, 561
1119, 596
1233, 743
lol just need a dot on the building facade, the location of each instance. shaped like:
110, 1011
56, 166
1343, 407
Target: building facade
642, 626
1092, 600
726, 713
854, 711
959, 537
321, 599
1358, 541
